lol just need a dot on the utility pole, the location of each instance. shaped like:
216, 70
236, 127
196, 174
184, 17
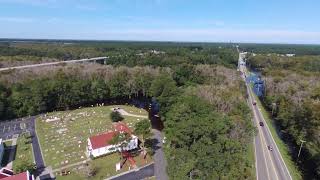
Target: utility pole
302, 141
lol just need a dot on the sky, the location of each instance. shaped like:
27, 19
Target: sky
260, 21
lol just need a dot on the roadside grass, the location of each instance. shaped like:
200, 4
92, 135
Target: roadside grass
24, 152
64, 141
283, 148
251, 160
105, 167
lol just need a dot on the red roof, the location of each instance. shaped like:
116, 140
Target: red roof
122, 127
102, 140
21, 176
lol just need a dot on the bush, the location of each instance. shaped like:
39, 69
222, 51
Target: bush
116, 116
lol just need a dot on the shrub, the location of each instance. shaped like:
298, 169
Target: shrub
116, 116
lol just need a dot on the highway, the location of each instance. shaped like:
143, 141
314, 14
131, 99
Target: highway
53, 63
269, 163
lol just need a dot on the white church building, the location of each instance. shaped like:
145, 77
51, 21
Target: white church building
98, 145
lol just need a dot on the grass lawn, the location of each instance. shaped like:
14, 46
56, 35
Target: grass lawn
64, 140
23, 151
283, 148
105, 167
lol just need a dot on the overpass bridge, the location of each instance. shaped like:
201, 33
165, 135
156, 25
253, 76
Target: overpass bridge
100, 60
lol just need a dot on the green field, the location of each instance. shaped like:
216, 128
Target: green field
105, 167
24, 152
64, 140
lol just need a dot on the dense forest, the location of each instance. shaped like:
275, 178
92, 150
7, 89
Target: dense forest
201, 96
297, 49
119, 53
293, 99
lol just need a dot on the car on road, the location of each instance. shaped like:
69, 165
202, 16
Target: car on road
254, 103
261, 123
116, 108
270, 148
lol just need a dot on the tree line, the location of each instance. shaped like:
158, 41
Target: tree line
207, 121
119, 53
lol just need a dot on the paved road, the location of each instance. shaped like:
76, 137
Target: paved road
142, 173
36, 146
159, 158
269, 164
53, 63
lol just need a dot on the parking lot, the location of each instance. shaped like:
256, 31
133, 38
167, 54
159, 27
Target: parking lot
17, 126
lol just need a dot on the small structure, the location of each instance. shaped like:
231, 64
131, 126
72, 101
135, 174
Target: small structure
98, 145
7, 174
290, 55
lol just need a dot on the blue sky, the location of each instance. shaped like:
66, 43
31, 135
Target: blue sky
267, 21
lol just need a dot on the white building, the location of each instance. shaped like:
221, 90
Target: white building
290, 55
98, 145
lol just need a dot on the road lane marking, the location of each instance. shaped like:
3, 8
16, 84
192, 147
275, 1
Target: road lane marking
262, 135
278, 152
269, 134
263, 151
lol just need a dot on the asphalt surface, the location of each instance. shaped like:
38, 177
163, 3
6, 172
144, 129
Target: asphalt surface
142, 173
9, 128
159, 158
36, 147
269, 163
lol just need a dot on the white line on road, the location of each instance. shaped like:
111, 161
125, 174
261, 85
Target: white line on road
269, 134
264, 138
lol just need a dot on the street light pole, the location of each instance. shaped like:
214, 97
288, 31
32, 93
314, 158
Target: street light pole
302, 141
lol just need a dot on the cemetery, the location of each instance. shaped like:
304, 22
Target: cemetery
63, 135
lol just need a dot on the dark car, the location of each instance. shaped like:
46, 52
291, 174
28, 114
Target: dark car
261, 124
269, 148
254, 103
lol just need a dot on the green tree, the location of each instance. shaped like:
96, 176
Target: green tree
120, 140
116, 116
143, 130
25, 166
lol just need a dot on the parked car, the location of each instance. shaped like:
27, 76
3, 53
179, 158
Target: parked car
261, 123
